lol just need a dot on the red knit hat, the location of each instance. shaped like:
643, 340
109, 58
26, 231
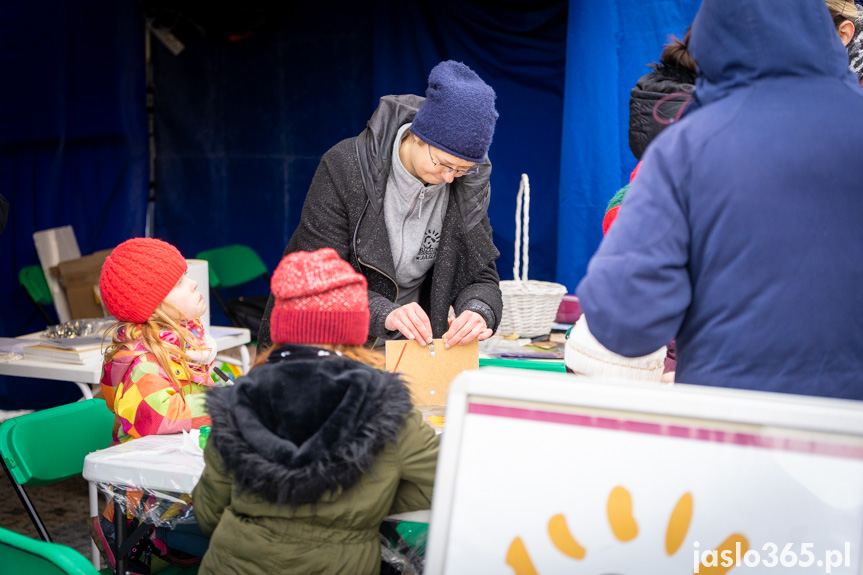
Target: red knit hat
319, 299
137, 277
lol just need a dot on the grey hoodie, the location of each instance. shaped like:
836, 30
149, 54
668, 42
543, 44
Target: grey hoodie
413, 211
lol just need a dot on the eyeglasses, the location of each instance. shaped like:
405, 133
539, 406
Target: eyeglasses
448, 169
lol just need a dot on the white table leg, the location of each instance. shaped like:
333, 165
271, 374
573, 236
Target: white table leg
85, 390
244, 356
94, 511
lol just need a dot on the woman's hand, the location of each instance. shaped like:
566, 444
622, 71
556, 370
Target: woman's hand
412, 322
465, 328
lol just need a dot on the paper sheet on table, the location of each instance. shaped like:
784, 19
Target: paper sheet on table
498, 344
220, 331
75, 343
14, 345
192, 443
428, 376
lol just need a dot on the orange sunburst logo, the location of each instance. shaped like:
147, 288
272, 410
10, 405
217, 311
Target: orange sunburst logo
624, 527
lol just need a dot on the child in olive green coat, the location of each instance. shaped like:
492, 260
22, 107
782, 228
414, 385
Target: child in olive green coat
311, 450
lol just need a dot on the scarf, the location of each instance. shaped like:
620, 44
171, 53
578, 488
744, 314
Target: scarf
855, 50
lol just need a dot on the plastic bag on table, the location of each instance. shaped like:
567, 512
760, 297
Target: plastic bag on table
78, 328
403, 546
159, 508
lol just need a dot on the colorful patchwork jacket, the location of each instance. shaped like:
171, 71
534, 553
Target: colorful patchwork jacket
143, 397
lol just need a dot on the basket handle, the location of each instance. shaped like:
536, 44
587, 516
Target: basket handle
523, 191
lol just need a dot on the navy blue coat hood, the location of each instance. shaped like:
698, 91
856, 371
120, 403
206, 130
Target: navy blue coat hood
742, 235
735, 42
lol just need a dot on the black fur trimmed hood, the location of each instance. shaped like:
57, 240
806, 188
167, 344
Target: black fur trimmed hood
305, 423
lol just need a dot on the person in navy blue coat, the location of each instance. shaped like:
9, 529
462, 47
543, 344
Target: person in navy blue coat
742, 236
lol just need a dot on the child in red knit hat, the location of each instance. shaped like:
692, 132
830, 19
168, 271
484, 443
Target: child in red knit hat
314, 447
156, 368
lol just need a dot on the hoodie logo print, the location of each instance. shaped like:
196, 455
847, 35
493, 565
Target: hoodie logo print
428, 248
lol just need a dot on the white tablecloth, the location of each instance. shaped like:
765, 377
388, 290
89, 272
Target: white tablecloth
161, 463
154, 462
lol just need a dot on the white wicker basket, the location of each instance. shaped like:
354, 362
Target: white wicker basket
529, 306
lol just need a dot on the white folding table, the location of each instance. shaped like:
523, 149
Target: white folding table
89, 373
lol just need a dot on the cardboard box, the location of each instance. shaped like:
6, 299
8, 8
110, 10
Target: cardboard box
429, 376
80, 280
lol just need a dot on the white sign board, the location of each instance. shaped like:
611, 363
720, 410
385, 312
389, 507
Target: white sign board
556, 474
199, 270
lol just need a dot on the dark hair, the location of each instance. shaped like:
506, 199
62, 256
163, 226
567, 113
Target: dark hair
676, 53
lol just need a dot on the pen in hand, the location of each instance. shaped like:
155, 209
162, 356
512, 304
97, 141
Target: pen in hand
224, 377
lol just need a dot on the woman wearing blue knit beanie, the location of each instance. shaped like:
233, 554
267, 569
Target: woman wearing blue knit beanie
405, 202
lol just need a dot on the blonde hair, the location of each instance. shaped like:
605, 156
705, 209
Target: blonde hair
843, 10
355, 352
163, 319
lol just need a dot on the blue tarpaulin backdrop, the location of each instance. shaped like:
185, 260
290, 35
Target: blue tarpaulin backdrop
73, 146
608, 45
241, 125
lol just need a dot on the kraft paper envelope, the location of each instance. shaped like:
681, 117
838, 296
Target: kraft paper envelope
428, 376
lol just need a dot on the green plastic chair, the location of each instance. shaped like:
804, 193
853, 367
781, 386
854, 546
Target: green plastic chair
50, 445
21, 554
232, 266
32, 279
45, 447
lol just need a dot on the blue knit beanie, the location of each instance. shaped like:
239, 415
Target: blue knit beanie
458, 114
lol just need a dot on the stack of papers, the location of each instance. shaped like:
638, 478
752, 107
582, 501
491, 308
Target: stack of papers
77, 350
502, 348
